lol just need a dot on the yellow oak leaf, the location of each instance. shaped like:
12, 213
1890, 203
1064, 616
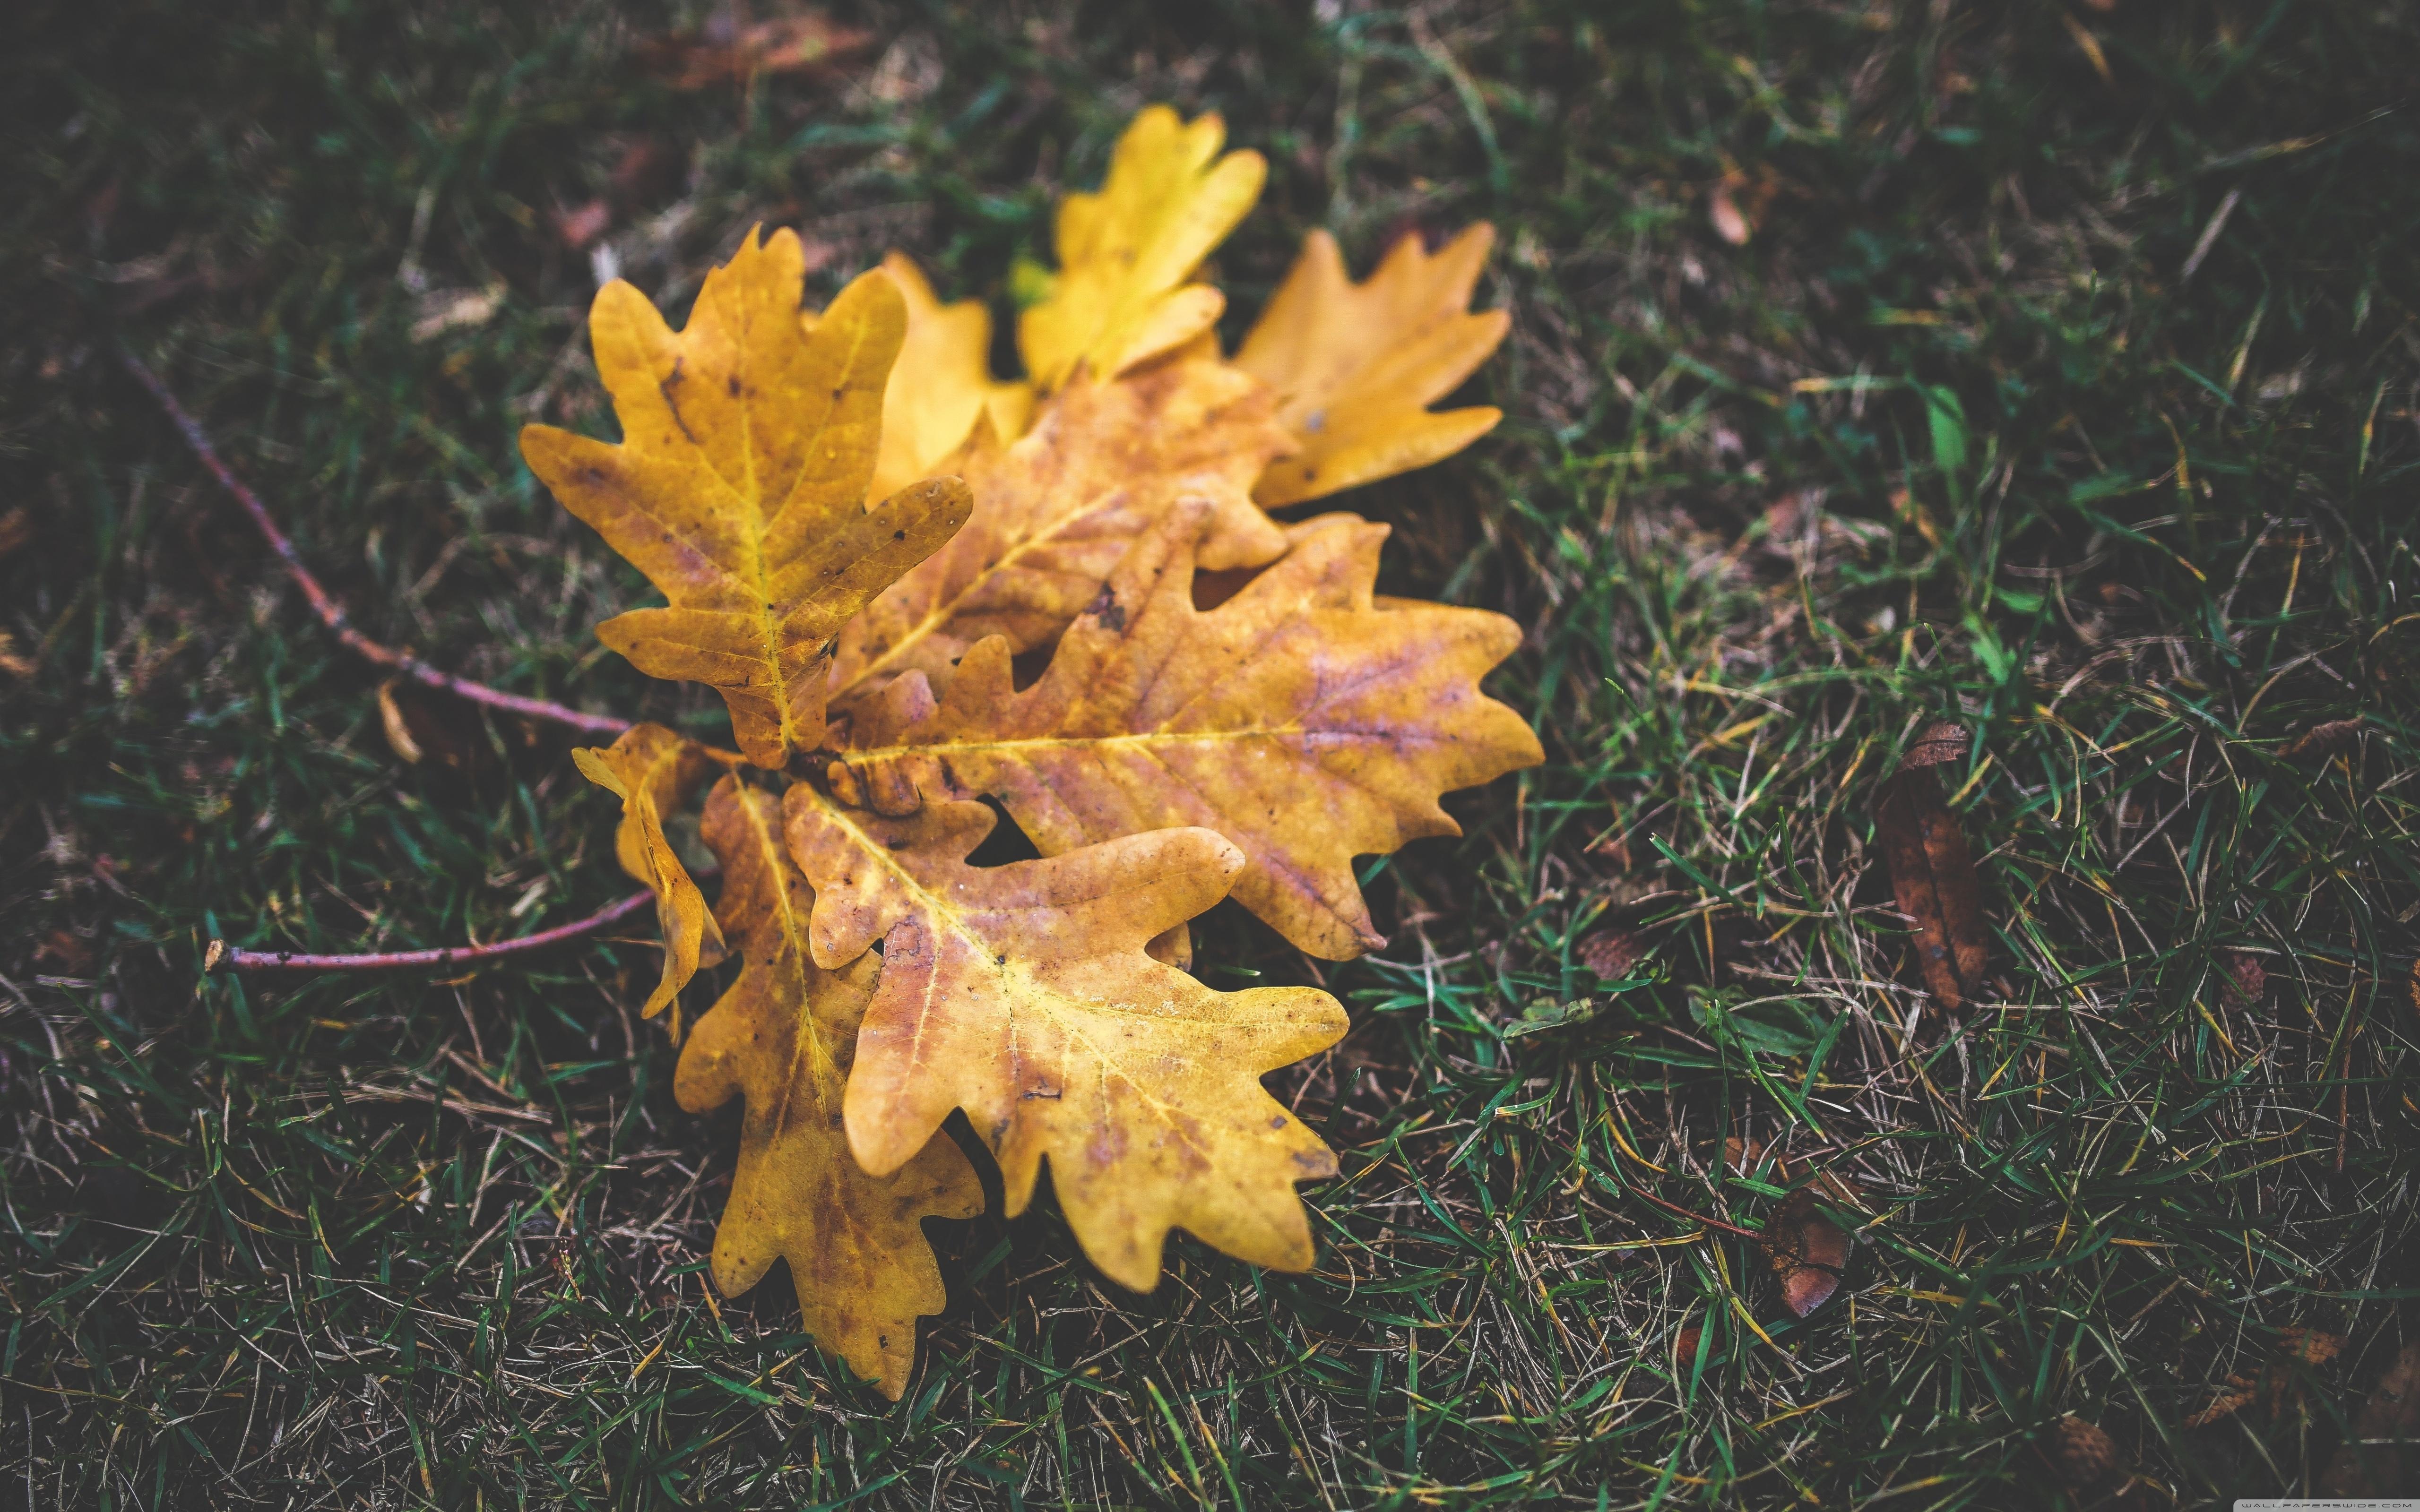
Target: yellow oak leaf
1355, 365
782, 1038
1023, 994
1126, 253
1054, 511
653, 771
1304, 719
940, 383
739, 488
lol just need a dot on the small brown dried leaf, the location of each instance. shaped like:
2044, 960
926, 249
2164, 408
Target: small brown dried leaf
398, 729
2298, 1350
12, 661
1808, 1251
1723, 212
66, 950
1611, 952
730, 53
2320, 741
580, 224
1932, 874
1940, 743
2381, 1457
2245, 978
2226, 1404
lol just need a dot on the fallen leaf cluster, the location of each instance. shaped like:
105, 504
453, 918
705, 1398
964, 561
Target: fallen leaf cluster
865, 543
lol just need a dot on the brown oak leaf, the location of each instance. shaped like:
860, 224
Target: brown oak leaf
1023, 994
1807, 1250
1303, 719
781, 1038
739, 488
732, 48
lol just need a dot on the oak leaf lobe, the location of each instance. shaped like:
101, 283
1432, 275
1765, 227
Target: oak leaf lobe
1356, 365
653, 771
1121, 295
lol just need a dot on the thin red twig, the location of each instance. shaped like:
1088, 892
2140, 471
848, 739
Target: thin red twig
1695, 1217
332, 614
225, 960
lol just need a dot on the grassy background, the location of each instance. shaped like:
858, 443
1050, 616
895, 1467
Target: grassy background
1952, 436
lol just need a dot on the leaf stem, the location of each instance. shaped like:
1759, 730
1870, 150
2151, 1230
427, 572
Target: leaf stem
222, 959
330, 613
1694, 1217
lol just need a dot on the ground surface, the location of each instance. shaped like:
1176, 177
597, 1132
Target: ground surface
2064, 389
